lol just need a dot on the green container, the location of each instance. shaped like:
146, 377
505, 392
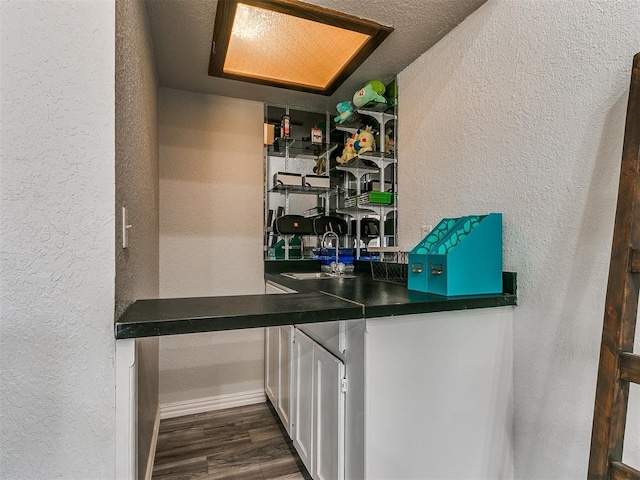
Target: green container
385, 198
276, 252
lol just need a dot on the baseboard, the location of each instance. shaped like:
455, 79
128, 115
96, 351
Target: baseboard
209, 404
152, 447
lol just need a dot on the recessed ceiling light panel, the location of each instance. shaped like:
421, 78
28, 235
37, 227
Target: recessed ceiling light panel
290, 44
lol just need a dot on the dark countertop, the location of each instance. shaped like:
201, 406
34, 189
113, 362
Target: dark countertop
382, 299
316, 301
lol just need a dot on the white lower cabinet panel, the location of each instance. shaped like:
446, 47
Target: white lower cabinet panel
318, 412
277, 363
277, 371
328, 422
302, 425
271, 344
438, 396
284, 384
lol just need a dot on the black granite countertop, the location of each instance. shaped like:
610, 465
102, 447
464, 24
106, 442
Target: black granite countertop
316, 301
382, 299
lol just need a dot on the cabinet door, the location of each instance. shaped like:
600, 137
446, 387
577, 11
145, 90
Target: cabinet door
302, 425
271, 356
284, 384
328, 413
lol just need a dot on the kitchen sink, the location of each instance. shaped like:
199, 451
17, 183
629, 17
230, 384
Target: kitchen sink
315, 275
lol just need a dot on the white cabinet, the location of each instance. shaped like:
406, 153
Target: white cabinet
284, 384
318, 411
438, 390
277, 370
328, 415
277, 364
302, 424
271, 366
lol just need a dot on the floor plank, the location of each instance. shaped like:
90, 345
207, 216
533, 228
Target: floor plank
280, 467
238, 443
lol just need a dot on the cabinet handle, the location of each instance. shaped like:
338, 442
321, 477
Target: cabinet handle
417, 267
437, 268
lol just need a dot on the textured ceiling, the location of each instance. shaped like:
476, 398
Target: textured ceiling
182, 32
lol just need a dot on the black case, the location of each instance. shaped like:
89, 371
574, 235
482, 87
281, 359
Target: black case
322, 225
293, 225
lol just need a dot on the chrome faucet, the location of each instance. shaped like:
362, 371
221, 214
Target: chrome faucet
338, 267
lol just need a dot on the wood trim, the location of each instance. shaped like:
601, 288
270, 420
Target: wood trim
225, 14
630, 367
320, 15
268, 83
620, 471
621, 304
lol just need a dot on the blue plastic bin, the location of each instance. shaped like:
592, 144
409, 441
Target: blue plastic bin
465, 260
417, 275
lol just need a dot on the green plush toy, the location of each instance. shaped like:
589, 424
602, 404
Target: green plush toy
346, 111
373, 91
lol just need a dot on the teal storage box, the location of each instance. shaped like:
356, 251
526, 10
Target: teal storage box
466, 258
417, 275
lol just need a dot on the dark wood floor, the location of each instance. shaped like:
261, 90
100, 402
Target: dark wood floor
238, 443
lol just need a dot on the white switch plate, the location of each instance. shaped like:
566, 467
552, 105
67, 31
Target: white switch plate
425, 230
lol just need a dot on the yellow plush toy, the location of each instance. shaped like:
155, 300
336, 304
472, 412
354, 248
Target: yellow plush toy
365, 142
360, 142
349, 151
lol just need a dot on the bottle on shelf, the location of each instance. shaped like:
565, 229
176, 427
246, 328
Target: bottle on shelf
285, 127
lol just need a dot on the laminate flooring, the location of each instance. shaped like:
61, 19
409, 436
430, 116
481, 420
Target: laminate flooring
237, 443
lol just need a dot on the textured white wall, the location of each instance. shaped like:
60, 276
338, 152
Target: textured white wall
211, 214
137, 267
521, 110
57, 372
137, 182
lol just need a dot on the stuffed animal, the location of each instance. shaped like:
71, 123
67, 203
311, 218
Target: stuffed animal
368, 94
349, 151
377, 86
360, 142
365, 141
321, 166
389, 141
346, 111
392, 92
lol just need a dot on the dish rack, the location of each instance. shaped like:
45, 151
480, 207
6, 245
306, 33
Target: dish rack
391, 268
